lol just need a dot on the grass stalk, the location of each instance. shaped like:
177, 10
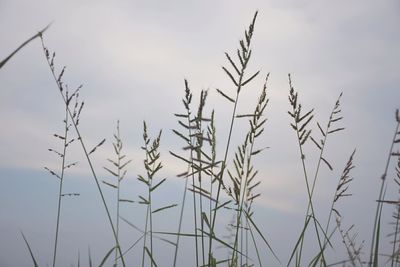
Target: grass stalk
118, 196
119, 173
334, 117
86, 153
242, 189
61, 185
152, 165
190, 173
302, 135
341, 190
199, 146
373, 258
396, 216
244, 56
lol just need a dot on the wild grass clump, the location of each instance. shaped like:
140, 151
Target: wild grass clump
224, 182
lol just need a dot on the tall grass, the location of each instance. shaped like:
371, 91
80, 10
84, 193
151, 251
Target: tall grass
226, 184
152, 164
118, 172
60, 86
73, 100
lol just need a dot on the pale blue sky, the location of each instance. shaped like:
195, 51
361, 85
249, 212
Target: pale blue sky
132, 57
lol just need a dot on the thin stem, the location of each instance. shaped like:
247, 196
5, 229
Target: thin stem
241, 243
199, 146
396, 216
151, 225
348, 248
395, 235
180, 221
240, 207
149, 221
87, 157
61, 185
201, 217
309, 194
184, 196
118, 144
317, 172
195, 217
244, 58
247, 157
379, 206
194, 196
145, 234
301, 139
212, 176
247, 242
222, 174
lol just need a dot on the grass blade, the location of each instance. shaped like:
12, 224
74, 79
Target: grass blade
164, 208
150, 256
30, 250
106, 256
39, 34
262, 236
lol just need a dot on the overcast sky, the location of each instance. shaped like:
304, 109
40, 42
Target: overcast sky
132, 58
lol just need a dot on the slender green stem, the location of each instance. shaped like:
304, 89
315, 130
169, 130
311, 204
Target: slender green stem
212, 177
61, 185
396, 216
247, 242
199, 146
87, 157
241, 243
184, 198
180, 221
244, 58
342, 235
145, 234
395, 236
375, 232
118, 150
194, 197
296, 109
149, 221
195, 217
219, 179
242, 199
223, 166
247, 159
309, 195
201, 217
151, 226
253, 239
315, 179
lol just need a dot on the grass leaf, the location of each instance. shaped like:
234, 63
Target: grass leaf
165, 207
224, 95
327, 163
150, 256
39, 34
30, 250
230, 76
251, 78
106, 256
110, 185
